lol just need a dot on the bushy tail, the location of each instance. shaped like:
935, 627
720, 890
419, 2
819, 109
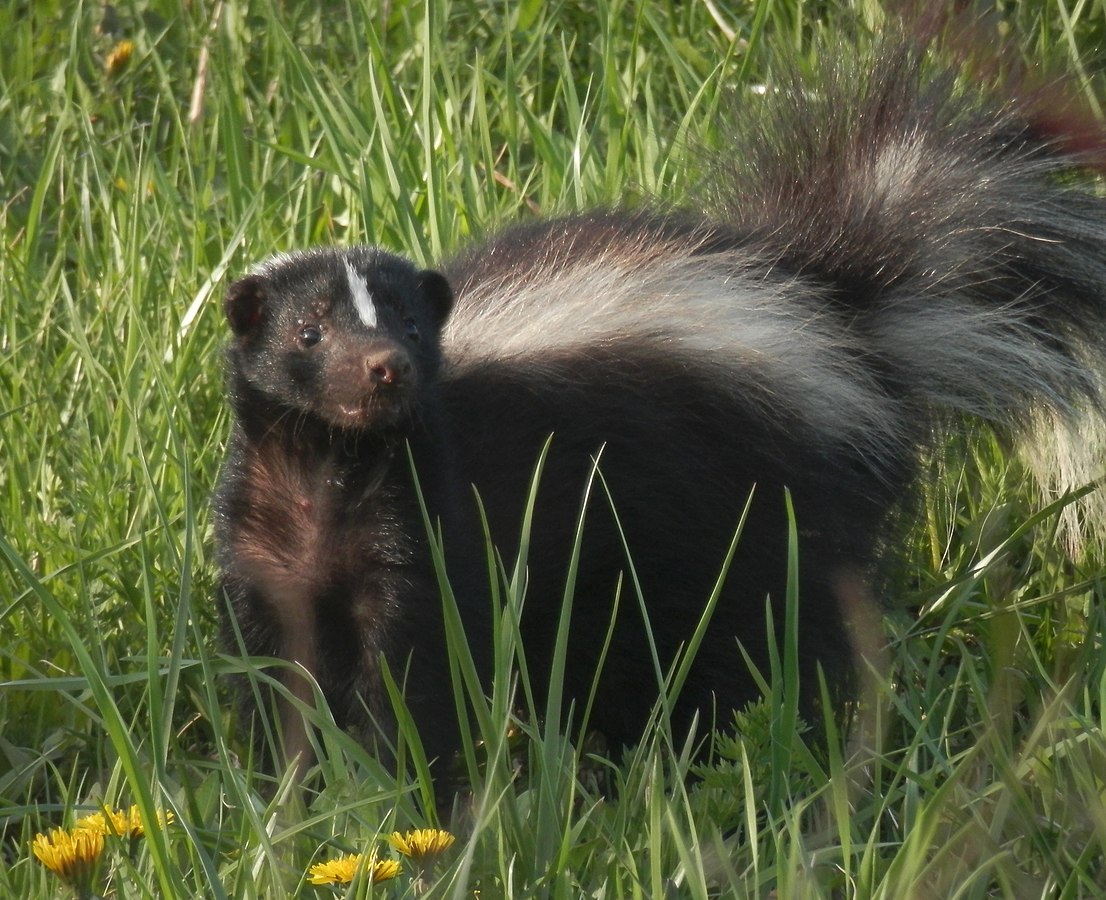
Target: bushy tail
887, 249
957, 229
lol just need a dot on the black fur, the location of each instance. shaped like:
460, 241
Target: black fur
323, 554
886, 254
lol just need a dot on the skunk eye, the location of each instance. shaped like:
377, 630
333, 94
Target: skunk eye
412, 330
310, 335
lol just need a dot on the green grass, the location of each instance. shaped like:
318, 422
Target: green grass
975, 764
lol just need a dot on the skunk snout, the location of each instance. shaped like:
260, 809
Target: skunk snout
364, 385
388, 366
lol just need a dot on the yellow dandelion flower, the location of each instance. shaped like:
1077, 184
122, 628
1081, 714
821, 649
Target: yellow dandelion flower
343, 869
118, 58
121, 823
384, 870
72, 855
422, 844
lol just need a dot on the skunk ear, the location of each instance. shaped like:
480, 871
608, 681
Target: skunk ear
437, 291
245, 303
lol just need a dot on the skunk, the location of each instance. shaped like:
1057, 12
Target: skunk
885, 255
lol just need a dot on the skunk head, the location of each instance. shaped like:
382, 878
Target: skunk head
348, 336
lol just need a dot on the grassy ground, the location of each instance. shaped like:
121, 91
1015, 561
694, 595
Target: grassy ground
131, 189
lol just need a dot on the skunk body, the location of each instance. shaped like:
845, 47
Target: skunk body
885, 255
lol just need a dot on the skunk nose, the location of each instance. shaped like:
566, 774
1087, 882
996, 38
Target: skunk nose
388, 367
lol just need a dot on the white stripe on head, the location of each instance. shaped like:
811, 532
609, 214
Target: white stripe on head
362, 299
